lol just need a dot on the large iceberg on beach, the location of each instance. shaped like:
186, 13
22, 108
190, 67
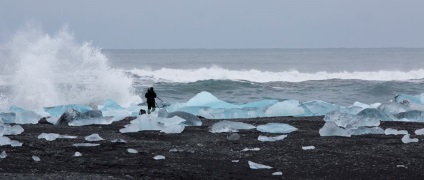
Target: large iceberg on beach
287, 108
59, 110
320, 108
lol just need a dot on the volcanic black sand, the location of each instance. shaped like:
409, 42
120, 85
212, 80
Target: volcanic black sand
205, 155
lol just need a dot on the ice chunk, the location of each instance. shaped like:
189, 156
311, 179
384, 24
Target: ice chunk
23, 116
150, 123
419, 131
109, 104
320, 108
11, 130
75, 118
276, 128
53, 136
287, 108
159, 157
367, 130
270, 139
132, 151
172, 129
59, 110
77, 154
7, 117
350, 109
85, 144
93, 137
374, 113
413, 115
190, 119
3, 154
251, 149
393, 108
308, 147
118, 141
406, 139
49, 136
331, 129
4, 140
235, 161
229, 126
253, 165
406, 99
350, 121
233, 137
15, 143
278, 173
36, 158
390, 131
207, 99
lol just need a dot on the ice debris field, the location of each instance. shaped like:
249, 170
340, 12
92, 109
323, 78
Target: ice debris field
346, 121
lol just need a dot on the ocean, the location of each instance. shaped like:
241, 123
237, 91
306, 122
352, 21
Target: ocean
40, 70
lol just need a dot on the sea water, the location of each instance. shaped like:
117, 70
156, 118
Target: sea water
43, 70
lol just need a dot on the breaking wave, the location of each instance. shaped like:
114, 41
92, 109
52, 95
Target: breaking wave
218, 73
40, 70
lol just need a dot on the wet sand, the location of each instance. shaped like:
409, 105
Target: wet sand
205, 155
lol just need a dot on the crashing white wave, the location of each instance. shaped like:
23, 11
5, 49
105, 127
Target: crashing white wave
253, 75
47, 70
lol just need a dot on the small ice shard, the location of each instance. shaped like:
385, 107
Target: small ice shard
276, 128
152, 123
85, 144
233, 137
270, 139
4, 140
401, 166
308, 147
390, 131
15, 143
229, 126
53, 136
366, 130
235, 161
36, 158
118, 141
331, 129
278, 173
48, 136
93, 137
406, 139
253, 165
132, 151
176, 150
251, 149
419, 131
3, 154
77, 154
159, 157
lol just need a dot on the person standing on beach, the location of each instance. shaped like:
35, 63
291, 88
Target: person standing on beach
150, 96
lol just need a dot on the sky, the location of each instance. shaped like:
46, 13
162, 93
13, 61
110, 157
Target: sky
224, 24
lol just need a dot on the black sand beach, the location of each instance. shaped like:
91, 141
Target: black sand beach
205, 155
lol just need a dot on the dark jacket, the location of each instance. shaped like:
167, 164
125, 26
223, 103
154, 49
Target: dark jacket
150, 95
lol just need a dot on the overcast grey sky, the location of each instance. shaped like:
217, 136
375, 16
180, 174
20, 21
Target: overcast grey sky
164, 24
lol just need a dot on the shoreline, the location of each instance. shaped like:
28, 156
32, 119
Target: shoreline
199, 154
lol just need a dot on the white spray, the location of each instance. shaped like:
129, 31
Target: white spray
44, 70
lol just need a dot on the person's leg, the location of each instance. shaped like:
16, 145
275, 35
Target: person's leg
153, 107
149, 106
